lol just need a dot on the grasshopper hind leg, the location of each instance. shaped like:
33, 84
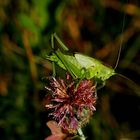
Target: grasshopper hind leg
101, 85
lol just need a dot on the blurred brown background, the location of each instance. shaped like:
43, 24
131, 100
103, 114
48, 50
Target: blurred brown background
92, 27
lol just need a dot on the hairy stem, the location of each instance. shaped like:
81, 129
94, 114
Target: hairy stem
80, 132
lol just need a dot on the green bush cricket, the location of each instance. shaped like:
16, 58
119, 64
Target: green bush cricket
81, 66
78, 65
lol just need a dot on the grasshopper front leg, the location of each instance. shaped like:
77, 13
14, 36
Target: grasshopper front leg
62, 45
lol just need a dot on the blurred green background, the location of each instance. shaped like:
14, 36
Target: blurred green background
92, 27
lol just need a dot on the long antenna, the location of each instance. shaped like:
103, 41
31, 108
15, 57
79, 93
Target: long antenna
132, 84
121, 41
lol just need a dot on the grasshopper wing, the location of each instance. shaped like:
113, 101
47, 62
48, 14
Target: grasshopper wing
86, 61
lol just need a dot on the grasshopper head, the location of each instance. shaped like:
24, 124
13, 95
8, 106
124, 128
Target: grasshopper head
105, 73
101, 73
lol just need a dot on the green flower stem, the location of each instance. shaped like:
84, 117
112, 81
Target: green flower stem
80, 132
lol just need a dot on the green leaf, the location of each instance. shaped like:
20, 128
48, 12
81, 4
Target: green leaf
27, 22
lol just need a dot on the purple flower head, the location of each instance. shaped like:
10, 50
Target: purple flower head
71, 103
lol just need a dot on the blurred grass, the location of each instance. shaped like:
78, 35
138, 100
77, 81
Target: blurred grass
91, 27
